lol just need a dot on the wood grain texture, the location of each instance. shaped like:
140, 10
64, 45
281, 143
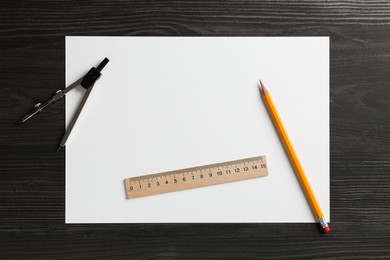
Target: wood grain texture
32, 182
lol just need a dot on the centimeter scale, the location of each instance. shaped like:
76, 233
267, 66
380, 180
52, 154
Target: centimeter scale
196, 177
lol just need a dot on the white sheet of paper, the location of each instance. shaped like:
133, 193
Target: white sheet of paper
166, 103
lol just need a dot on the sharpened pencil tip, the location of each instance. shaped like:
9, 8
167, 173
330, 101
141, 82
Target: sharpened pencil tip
59, 148
262, 87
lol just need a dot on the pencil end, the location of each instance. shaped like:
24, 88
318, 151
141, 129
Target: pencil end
324, 225
326, 230
262, 87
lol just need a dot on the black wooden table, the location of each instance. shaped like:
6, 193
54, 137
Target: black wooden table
32, 181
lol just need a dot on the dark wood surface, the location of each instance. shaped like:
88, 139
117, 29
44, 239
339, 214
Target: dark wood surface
32, 182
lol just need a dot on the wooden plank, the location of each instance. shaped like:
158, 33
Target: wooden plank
32, 183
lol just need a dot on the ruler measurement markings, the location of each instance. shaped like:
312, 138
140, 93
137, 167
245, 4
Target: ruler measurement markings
204, 176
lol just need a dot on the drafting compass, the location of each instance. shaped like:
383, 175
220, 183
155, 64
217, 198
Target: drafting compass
87, 82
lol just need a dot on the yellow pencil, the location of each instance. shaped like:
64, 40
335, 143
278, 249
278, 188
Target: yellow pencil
292, 156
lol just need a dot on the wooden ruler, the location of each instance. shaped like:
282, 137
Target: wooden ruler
196, 177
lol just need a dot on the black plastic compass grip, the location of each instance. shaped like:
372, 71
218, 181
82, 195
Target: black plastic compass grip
93, 75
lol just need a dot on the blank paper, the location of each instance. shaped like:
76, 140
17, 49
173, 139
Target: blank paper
166, 103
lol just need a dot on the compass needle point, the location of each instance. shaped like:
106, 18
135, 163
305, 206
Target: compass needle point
87, 82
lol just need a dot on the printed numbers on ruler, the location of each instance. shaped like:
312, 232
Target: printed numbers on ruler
196, 177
